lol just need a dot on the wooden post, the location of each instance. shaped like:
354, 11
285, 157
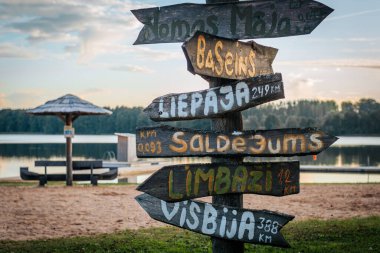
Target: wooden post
232, 122
69, 154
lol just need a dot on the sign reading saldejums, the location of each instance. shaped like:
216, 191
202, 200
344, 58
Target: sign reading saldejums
241, 20
165, 141
233, 97
182, 182
252, 226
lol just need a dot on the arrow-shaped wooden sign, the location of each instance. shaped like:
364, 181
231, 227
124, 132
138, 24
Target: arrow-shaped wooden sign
237, 96
213, 56
241, 20
165, 141
251, 226
182, 182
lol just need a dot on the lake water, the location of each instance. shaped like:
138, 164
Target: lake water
23, 150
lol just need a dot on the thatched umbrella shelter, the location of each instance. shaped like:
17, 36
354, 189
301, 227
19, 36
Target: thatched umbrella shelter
68, 108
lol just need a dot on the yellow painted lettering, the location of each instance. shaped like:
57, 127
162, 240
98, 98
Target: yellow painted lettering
183, 145
201, 175
239, 180
239, 144
208, 148
252, 70
222, 180
316, 144
219, 146
293, 139
201, 51
228, 63
199, 139
219, 59
261, 142
173, 195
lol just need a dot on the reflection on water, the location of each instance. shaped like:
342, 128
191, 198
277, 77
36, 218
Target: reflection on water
13, 156
38, 151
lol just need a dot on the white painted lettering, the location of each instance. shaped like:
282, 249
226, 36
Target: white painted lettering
182, 105
231, 233
242, 92
211, 101
161, 113
249, 226
229, 95
196, 102
164, 209
183, 214
193, 207
209, 218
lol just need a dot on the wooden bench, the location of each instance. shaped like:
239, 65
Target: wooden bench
25, 174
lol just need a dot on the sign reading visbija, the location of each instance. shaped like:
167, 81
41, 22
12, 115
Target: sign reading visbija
165, 141
224, 58
182, 182
251, 226
215, 102
241, 20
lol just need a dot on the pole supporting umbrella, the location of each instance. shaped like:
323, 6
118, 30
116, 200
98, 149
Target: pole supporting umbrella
68, 108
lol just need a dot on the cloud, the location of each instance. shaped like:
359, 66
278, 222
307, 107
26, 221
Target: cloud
350, 15
8, 50
298, 86
27, 99
337, 63
3, 103
92, 28
132, 68
157, 55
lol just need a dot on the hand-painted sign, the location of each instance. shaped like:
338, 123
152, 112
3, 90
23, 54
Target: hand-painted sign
182, 182
224, 58
252, 226
237, 96
242, 20
165, 141
68, 131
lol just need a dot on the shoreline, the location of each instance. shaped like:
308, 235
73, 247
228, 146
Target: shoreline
31, 212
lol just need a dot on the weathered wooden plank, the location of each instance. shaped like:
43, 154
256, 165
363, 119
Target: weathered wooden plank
77, 165
183, 182
165, 141
211, 103
243, 20
251, 226
213, 56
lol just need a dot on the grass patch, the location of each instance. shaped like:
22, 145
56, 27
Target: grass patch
351, 235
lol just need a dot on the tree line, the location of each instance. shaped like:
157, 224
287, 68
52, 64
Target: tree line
346, 118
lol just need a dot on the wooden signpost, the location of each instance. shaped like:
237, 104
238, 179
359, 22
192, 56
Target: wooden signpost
166, 141
225, 58
240, 20
243, 225
240, 76
182, 182
215, 102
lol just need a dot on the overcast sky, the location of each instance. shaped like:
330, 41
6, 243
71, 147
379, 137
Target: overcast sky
49, 48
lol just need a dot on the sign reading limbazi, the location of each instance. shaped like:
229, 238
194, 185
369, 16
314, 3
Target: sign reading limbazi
165, 141
237, 96
252, 226
242, 20
182, 182
224, 58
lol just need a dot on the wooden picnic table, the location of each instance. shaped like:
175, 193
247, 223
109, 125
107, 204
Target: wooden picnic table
91, 165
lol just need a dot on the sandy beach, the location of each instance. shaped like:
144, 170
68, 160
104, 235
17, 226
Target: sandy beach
29, 213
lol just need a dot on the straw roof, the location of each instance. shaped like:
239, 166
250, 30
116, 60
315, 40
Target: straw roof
68, 104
